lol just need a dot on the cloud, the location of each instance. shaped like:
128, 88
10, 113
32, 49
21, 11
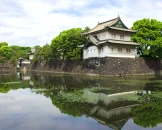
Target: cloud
159, 4
38, 22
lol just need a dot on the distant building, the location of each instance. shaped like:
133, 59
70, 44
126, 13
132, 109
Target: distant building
31, 54
23, 62
110, 39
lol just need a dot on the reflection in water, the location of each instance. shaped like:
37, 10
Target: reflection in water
148, 114
22, 109
109, 110
77, 103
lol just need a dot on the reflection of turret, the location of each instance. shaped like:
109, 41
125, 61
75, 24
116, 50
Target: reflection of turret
114, 118
58, 89
109, 110
23, 77
31, 84
106, 99
40, 90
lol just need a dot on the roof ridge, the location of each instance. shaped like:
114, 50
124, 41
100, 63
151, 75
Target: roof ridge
110, 20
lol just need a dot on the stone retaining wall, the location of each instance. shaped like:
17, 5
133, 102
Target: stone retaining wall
102, 66
7, 68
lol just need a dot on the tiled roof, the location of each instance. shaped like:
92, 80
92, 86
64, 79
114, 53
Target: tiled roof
102, 25
118, 42
123, 42
123, 29
94, 40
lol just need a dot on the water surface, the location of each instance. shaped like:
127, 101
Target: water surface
60, 102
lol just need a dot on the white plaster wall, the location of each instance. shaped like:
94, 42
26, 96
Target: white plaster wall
103, 52
108, 35
124, 53
127, 37
91, 51
31, 57
85, 54
26, 62
102, 35
106, 51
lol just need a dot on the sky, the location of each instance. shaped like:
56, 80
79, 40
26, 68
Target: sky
37, 22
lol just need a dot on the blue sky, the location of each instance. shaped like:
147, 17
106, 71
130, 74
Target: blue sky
37, 22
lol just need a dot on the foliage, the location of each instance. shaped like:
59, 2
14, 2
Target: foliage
5, 52
37, 54
13, 60
75, 96
43, 53
12, 53
86, 29
46, 52
72, 104
65, 45
149, 35
3, 44
149, 114
4, 89
8, 85
19, 51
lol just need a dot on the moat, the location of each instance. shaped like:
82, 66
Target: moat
41, 101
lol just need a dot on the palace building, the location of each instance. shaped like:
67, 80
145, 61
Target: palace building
110, 39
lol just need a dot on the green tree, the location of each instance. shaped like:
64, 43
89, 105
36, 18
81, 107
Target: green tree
12, 53
148, 114
37, 54
46, 52
19, 51
66, 44
149, 35
3, 44
5, 52
86, 29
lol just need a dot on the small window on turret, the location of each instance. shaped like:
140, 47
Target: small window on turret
120, 50
112, 49
122, 37
113, 36
128, 50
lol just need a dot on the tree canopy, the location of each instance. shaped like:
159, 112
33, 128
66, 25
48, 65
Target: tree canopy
149, 35
148, 114
43, 53
20, 51
65, 45
5, 52
12, 53
3, 44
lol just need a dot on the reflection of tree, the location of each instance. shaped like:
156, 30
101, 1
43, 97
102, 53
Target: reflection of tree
149, 114
72, 108
5, 78
153, 86
7, 87
71, 103
72, 82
